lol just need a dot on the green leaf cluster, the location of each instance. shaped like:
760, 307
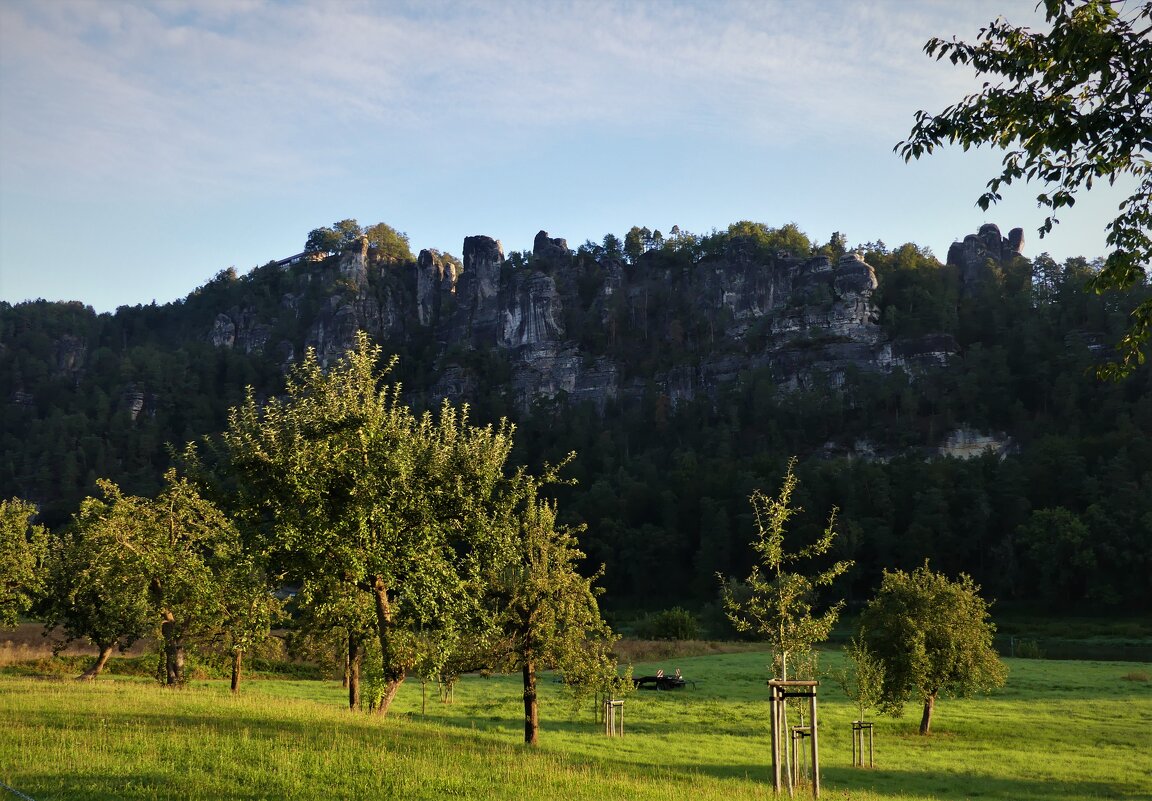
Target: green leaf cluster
1069, 105
23, 546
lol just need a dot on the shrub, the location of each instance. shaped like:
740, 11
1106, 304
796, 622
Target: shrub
676, 623
1029, 649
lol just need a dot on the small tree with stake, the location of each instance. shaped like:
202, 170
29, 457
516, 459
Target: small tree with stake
780, 605
932, 635
862, 680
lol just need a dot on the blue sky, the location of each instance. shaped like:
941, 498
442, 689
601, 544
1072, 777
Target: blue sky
145, 146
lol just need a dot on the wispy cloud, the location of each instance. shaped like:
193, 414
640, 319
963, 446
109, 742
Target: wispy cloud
216, 96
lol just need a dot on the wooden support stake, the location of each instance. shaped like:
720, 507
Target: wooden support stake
613, 726
815, 746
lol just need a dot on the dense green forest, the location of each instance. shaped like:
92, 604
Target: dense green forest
1060, 514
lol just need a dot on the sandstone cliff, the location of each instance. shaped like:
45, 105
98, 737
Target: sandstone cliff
579, 325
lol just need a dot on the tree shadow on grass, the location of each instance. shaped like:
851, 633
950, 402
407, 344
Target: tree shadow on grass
220, 773
967, 785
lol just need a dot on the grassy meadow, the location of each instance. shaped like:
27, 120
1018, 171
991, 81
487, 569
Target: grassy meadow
1058, 730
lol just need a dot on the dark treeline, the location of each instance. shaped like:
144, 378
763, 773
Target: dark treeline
1061, 515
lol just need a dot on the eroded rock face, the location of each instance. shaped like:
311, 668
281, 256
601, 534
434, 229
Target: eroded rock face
239, 328
353, 263
975, 251
71, 354
811, 322
554, 250
134, 401
333, 331
435, 281
476, 317
532, 312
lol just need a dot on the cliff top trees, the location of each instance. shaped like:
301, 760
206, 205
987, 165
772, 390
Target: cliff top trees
932, 635
1068, 107
788, 238
386, 242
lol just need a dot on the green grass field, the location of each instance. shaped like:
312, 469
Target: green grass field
1058, 730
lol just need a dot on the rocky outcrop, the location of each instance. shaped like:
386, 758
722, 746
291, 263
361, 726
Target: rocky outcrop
811, 322
475, 320
134, 401
531, 313
71, 354
966, 443
352, 264
435, 284
972, 254
550, 250
240, 329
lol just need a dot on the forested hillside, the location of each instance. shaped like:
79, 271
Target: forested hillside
950, 411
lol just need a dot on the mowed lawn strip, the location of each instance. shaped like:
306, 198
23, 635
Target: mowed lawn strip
1058, 730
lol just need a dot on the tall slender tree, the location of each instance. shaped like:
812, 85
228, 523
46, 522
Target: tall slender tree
780, 605
548, 615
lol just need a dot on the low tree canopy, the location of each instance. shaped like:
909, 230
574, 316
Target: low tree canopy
131, 566
23, 546
932, 636
1069, 106
98, 577
355, 494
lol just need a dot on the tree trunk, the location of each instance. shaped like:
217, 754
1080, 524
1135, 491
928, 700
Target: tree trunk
394, 672
785, 729
355, 654
347, 667
531, 710
237, 658
173, 651
929, 707
97, 666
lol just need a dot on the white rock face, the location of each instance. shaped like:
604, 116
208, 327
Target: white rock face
966, 443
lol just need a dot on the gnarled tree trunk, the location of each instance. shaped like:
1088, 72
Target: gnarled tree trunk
929, 707
531, 706
173, 651
394, 672
97, 666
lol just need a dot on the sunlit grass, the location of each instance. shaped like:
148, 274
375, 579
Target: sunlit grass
1058, 730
